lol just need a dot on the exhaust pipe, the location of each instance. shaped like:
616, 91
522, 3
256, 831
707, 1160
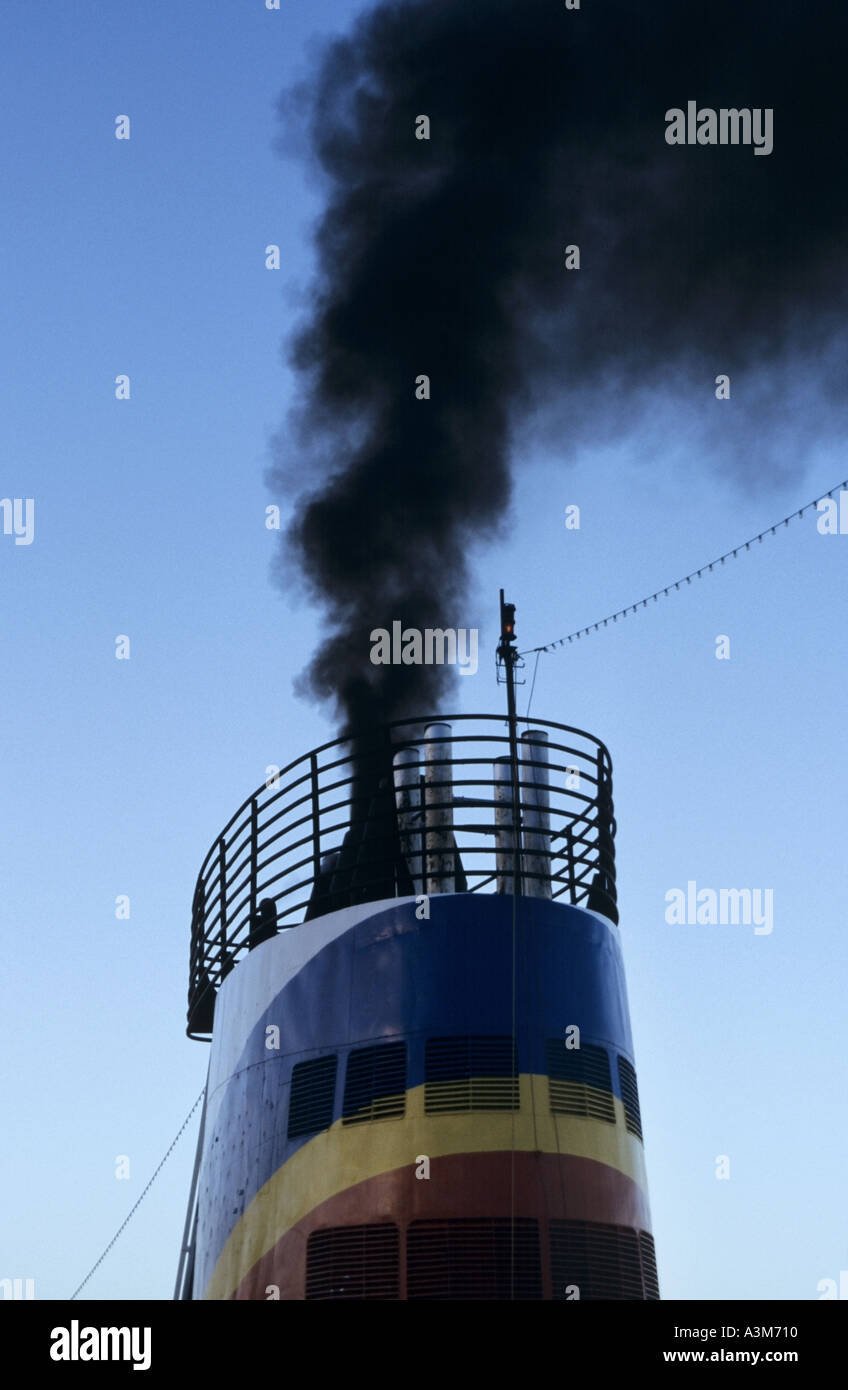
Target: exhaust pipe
407, 779
536, 815
504, 836
439, 843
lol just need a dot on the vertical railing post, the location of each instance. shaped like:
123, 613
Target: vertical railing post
608, 834
602, 819
198, 937
316, 820
222, 899
569, 845
254, 861
602, 892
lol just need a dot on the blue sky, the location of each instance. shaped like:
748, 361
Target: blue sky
146, 257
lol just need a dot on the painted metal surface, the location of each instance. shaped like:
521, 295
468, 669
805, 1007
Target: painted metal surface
378, 973
541, 1187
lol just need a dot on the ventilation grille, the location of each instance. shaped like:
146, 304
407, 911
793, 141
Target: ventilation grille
649, 1265
579, 1080
474, 1259
375, 1084
604, 1262
313, 1089
630, 1096
353, 1262
470, 1074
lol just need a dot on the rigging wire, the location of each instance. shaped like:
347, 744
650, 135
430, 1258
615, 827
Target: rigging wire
127, 1219
533, 685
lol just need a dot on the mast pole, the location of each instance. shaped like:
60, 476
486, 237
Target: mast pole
509, 656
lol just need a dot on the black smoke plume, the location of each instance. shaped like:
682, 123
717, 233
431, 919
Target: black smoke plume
445, 257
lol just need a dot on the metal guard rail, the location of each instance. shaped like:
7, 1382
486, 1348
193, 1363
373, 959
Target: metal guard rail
418, 805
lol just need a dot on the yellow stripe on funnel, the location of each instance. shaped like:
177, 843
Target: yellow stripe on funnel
344, 1155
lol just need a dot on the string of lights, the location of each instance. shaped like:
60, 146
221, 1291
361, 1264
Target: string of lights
687, 578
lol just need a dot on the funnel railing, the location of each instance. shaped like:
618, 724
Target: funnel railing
414, 807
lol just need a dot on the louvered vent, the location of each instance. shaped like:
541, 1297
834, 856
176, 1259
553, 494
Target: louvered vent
630, 1096
470, 1073
579, 1080
375, 1084
474, 1259
604, 1262
313, 1089
353, 1262
649, 1265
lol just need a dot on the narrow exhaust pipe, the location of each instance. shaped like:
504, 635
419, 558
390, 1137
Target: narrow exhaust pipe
439, 843
504, 836
407, 780
536, 816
